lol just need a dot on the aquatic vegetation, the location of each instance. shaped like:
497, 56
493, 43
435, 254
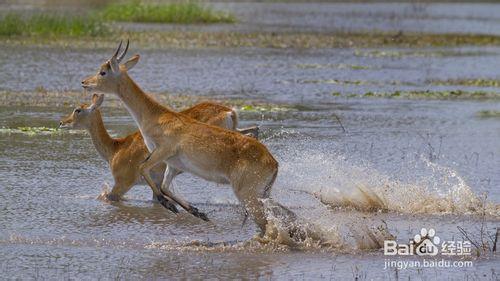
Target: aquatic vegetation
354, 82
333, 81
278, 40
479, 82
312, 40
176, 101
413, 53
438, 40
453, 94
458, 94
31, 131
336, 66
489, 114
266, 108
14, 24
181, 12
423, 94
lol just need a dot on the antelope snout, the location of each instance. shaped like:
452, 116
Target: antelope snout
63, 125
88, 82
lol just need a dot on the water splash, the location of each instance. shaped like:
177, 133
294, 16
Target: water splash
287, 230
104, 193
341, 234
285, 227
419, 187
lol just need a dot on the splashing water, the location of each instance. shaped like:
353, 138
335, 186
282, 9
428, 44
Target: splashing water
420, 187
104, 193
287, 228
358, 193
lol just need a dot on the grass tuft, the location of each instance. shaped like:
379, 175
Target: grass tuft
479, 82
14, 24
489, 114
184, 12
429, 94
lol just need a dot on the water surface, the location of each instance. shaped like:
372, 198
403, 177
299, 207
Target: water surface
433, 163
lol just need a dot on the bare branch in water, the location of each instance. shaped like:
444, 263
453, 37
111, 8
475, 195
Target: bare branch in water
496, 240
340, 122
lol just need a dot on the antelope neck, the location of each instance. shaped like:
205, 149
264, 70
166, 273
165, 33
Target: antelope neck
140, 105
102, 141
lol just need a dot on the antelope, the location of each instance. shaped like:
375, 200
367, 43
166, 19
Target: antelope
185, 144
124, 155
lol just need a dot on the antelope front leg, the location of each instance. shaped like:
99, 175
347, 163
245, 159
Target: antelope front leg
152, 160
157, 156
158, 179
170, 174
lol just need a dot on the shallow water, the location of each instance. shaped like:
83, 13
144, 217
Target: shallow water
308, 76
53, 226
415, 17
430, 164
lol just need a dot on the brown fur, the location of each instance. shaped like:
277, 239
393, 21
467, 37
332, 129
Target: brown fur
124, 155
185, 144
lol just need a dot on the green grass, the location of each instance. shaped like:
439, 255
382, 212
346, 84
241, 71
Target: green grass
479, 82
489, 114
183, 12
428, 94
454, 94
94, 24
47, 24
31, 131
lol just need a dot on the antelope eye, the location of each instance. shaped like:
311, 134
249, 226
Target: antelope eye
102, 73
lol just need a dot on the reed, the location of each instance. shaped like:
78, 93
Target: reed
182, 12
14, 24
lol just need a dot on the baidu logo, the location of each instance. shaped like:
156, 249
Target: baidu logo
427, 243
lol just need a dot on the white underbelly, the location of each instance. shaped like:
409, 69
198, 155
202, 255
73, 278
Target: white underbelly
183, 164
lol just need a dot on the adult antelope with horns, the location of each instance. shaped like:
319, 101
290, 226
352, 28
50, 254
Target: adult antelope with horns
124, 155
187, 145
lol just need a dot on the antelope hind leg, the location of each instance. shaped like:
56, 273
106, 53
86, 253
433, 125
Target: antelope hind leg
166, 202
169, 204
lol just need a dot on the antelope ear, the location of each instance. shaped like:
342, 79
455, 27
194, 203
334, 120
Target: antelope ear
114, 66
97, 100
131, 62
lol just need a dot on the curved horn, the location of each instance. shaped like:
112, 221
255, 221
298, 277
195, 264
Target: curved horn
119, 59
118, 49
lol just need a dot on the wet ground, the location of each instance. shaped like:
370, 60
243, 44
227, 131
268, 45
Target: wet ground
427, 163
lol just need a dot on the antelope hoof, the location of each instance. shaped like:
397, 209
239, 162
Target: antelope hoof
194, 211
167, 204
